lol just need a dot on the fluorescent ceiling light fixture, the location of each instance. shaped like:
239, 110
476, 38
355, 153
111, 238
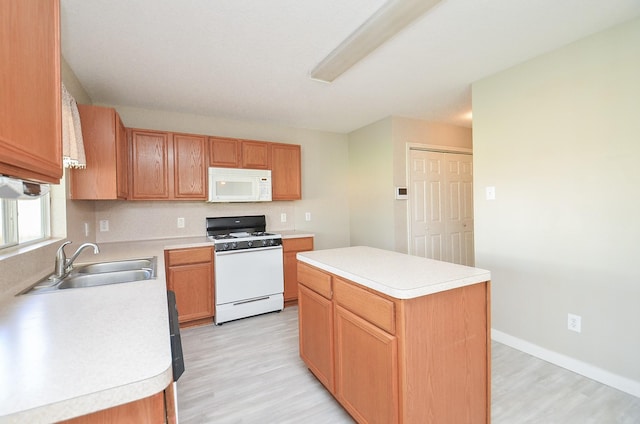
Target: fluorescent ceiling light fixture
390, 19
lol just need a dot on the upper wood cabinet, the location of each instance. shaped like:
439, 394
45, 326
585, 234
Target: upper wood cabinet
255, 154
284, 161
30, 103
149, 165
285, 171
224, 152
105, 146
189, 166
171, 166
166, 166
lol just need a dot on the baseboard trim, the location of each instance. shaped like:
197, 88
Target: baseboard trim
598, 374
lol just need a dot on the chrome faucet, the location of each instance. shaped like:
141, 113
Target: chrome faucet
63, 265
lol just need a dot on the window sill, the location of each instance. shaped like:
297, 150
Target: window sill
11, 252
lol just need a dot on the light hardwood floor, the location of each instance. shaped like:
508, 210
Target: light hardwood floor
249, 371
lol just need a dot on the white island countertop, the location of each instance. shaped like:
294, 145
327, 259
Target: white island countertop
72, 352
395, 274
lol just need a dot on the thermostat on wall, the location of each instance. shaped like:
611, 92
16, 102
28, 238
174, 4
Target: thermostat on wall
401, 193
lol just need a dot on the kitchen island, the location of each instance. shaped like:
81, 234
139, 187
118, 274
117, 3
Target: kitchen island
397, 338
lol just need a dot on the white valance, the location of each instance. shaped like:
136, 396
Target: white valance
72, 143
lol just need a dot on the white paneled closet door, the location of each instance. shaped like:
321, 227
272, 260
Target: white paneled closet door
441, 203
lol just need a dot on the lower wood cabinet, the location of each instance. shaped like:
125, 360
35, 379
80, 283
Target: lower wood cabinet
387, 360
360, 348
155, 409
189, 273
316, 334
290, 247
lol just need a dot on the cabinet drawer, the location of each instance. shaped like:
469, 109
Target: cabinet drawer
314, 279
297, 244
373, 308
189, 256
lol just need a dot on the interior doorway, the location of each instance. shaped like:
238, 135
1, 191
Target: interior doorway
441, 205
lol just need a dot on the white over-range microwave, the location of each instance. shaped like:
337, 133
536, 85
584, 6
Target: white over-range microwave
239, 185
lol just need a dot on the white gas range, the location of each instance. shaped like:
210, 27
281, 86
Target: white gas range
248, 268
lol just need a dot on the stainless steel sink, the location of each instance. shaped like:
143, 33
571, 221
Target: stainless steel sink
98, 274
126, 265
102, 278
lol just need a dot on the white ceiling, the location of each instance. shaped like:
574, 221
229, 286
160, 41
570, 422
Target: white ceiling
251, 59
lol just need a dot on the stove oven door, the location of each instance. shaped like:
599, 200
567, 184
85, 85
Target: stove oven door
248, 282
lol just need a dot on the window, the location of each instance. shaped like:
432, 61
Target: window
24, 220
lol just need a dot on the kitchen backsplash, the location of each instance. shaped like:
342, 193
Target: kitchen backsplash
129, 221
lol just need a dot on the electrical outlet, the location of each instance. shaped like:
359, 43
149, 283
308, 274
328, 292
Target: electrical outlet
574, 323
307, 216
180, 222
104, 225
283, 217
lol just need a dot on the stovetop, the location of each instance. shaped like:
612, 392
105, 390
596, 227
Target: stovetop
240, 232
242, 235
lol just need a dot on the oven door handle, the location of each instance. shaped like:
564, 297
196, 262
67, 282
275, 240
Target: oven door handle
253, 249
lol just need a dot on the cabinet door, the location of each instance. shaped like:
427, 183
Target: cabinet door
150, 165
285, 172
255, 154
224, 152
102, 134
189, 156
290, 248
315, 321
30, 103
122, 159
366, 363
193, 286
290, 274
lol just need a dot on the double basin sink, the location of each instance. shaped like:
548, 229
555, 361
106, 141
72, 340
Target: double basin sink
99, 274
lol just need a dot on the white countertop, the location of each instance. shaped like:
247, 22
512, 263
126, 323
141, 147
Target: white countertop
72, 352
396, 274
75, 351
295, 234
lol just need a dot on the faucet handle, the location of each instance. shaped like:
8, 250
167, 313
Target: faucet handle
60, 252
61, 260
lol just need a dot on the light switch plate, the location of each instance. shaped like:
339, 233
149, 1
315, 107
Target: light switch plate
491, 193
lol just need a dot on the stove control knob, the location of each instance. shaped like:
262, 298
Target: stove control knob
250, 243
225, 246
264, 242
234, 245
272, 242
